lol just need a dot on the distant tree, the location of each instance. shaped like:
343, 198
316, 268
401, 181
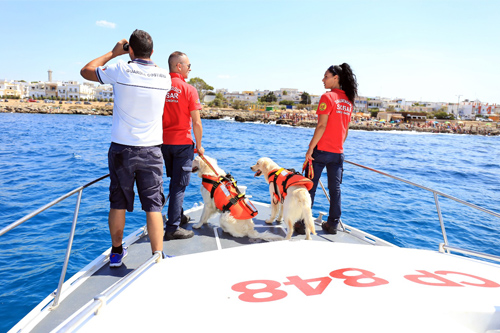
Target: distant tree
305, 98
443, 115
239, 105
219, 101
200, 85
286, 102
269, 98
374, 113
285, 92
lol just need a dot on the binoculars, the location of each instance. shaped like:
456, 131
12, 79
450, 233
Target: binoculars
125, 47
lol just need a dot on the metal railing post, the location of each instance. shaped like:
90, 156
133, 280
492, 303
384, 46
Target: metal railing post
68, 252
443, 230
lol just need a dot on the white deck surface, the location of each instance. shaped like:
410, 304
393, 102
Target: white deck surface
193, 293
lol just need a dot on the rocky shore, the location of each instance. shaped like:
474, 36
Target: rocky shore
49, 108
469, 127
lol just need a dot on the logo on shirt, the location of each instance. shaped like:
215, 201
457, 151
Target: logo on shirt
322, 106
343, 106
171, 94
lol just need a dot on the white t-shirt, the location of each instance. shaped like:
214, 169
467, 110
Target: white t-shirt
139, 88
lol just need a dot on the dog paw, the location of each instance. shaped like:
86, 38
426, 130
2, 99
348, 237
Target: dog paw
269, 221
197, 226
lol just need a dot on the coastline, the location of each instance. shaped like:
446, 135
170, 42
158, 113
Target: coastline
101, 109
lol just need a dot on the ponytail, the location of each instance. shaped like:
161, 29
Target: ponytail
347, 80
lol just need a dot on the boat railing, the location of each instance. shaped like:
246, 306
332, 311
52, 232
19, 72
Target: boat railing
443, 247
79, 191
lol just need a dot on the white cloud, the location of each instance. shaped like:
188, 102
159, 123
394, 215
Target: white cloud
106, 24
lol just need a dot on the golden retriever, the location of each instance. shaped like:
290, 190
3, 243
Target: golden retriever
297, 203
237, 228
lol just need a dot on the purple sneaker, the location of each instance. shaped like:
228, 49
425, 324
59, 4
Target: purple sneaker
115, 259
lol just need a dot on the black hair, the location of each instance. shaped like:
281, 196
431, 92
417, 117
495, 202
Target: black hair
347, 80
142, 44
173, 60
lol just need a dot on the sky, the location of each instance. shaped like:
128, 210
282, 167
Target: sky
419, 50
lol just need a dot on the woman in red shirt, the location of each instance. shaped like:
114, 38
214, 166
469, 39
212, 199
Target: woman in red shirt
327, 144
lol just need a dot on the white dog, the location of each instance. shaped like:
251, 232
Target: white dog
235, 227
297, 201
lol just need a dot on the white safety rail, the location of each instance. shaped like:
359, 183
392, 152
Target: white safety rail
443, 247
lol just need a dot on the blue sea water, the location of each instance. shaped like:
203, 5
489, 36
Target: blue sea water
44, 156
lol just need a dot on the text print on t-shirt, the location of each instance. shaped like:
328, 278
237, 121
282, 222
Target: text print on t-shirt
173, 95
343, 106
134, 71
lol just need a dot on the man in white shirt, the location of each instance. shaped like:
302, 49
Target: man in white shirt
139, 87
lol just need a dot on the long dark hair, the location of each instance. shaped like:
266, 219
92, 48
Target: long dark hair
347, 80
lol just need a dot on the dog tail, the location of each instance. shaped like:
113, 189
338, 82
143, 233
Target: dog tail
266, 235
304, 198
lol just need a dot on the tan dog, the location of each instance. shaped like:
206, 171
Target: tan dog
296, 205
237, 228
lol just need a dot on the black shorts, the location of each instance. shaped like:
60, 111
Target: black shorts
142, 165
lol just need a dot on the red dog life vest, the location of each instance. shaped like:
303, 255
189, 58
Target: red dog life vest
227, 197
282, 179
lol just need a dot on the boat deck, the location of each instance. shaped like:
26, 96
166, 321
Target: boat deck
210, 237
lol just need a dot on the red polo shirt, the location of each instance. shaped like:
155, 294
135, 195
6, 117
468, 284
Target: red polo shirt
179, 102
338, 108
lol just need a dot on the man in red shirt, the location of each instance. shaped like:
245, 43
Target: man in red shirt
181, 114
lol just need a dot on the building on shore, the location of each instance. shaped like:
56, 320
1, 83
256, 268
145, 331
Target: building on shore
74, 90
12, 89
55, 90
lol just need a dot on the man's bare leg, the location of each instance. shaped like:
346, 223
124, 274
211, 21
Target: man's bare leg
155, 230
116, 221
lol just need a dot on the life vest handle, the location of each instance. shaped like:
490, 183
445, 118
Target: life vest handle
231, 180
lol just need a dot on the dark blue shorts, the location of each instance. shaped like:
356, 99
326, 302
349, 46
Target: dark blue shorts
142, 165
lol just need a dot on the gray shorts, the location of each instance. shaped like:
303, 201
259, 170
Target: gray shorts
142, 165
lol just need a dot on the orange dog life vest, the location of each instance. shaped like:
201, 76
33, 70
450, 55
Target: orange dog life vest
227, 196
282, 179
